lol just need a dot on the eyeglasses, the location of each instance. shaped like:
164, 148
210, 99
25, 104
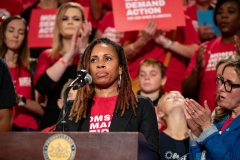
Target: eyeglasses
227, 85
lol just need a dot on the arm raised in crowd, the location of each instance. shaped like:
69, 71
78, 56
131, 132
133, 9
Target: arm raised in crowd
182, 49
56, 71
190, 85
131, 49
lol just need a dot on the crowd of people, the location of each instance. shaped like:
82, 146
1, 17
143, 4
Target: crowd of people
180, 88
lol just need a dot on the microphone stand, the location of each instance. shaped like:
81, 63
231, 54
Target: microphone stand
78, 82
63, 121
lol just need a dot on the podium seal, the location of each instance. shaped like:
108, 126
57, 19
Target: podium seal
59, 147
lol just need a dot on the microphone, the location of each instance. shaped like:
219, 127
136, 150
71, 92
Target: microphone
83, 78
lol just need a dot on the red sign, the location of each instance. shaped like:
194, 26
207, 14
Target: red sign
134, 14
41, 27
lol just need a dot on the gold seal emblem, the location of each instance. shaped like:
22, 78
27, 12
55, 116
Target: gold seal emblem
59, 147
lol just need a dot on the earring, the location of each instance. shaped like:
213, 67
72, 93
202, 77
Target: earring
119, 80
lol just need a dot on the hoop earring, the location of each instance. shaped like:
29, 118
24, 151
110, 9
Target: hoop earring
119, 80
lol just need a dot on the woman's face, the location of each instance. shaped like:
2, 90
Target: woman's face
71, 21
104, 66
150, 78
15, 34
229, 100
228, 19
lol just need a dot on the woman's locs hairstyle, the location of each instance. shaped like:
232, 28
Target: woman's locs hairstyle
126, 96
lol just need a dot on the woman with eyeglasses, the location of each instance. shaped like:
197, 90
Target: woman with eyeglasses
219, 139
200, 75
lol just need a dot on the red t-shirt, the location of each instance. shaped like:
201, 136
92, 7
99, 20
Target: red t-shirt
44, 62
191, 11
106, 26
21, 117
177, 65
10, 7
101, 113
226, 124
216, 50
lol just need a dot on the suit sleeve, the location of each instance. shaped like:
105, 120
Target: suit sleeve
7, 92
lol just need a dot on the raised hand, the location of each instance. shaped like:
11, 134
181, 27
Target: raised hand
80, 39
195, 128
149, 31
205, 32
85, 32
201, 116
200, 58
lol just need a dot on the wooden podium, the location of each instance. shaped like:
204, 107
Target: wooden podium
88, 146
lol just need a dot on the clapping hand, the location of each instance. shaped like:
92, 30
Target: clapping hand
205, 32
85, 32
201, 116
149, 31
80, 38
200, 58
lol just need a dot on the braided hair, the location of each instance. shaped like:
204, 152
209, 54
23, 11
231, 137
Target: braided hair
126, 96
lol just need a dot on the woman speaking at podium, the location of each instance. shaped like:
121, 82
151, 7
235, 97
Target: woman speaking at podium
109, 104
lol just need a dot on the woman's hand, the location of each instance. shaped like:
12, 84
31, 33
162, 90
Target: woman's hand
149, 31
201, 116
85, 32
200, 58
195, 128
79, 43
160, 37
205, 32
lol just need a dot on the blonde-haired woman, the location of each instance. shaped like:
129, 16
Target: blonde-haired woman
55, 66
15, 52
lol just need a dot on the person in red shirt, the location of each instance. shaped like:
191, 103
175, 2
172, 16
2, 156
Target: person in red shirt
56, 65
199, 82
109, 103
14, 50
150, 43
204, 31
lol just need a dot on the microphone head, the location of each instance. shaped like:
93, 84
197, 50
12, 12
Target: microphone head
88, 79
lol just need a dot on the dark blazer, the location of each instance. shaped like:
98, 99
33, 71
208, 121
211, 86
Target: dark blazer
144, 122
